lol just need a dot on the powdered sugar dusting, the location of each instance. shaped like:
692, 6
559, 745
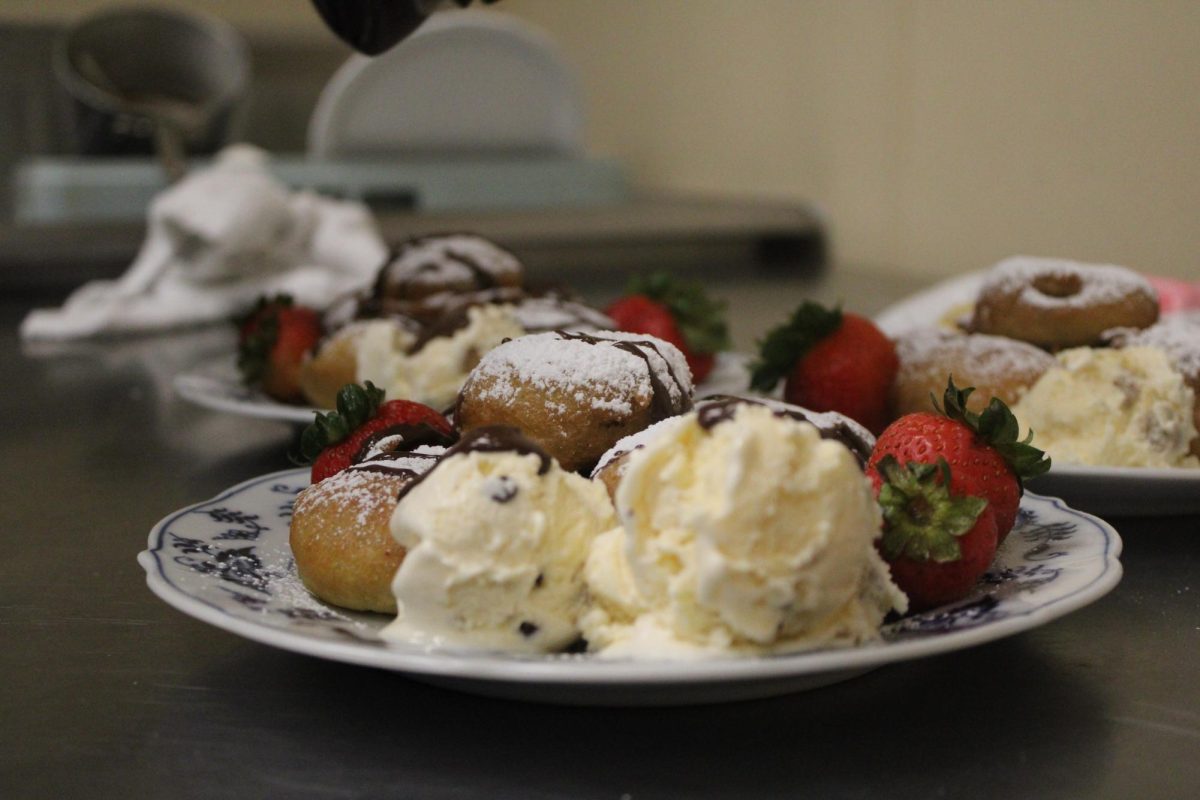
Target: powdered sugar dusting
391, 448
608, 375
994, 359
348, 490
549, 313
1099, 284
1178, 335
440, 260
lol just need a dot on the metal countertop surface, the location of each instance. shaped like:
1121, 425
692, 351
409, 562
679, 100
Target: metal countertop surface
108, 692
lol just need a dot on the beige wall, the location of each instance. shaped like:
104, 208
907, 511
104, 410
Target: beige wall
936, 136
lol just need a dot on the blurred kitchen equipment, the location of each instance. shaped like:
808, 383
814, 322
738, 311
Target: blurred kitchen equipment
476, 111
373, 26
467, 83
152, 80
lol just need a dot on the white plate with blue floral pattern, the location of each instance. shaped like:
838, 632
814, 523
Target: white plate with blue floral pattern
1130, 491
226, 562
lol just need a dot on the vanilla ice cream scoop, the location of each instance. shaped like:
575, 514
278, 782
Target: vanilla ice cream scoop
497, 536
742, 531
1124, 407
434, 372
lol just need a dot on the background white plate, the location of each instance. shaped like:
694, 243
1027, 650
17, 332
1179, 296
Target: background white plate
215, 384
1102, 490
226, 562
465, 82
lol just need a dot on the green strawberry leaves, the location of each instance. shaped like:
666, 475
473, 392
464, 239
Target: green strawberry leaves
258, 331
700, 318
355, 405
923, 520
999, 428
785, 345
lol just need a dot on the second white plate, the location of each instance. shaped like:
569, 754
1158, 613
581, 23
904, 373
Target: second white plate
1109, 491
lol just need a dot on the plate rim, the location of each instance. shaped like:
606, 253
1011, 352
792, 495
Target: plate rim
550, 670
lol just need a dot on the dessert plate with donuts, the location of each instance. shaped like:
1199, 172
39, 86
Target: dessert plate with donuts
582, 529
227, 562
1101, 362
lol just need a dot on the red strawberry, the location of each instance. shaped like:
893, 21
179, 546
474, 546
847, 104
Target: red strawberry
938, 543
681, 314
273, 339
336, 439
985, 456
832, 361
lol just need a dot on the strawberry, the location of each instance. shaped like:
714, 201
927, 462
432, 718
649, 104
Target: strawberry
831, 361
336, 439
678, 313
273, 339
938, 543
985, 456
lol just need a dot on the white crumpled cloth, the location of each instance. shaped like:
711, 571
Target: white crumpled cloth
217, 240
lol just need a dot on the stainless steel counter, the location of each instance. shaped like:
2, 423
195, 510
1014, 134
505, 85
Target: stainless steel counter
108, 692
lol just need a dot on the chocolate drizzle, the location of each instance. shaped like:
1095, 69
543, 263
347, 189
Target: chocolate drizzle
490, 439
721, 408
662, 406
396, 457
389, 466
407, 438
501, 439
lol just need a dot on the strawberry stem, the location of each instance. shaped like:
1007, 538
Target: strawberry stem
785, 345
922, 520
355, 405
998, 427
258, 330
700, 318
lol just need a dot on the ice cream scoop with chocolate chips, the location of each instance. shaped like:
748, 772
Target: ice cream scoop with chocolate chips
496, 537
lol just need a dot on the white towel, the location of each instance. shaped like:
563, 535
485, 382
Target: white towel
216, 241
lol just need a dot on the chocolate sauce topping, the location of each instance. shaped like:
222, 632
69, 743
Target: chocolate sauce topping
501, 439
409, 438
662, 406
490, 439
413, 282
483, 278
391, 468
721, 408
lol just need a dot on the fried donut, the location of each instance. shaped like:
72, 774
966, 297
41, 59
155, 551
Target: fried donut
333, 364
343, 548
455, 263
575, 394
994, 365
1056, 304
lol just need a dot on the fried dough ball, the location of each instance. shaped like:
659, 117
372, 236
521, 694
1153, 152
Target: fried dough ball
994, 365
1056, 304
340, 535
576, 394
